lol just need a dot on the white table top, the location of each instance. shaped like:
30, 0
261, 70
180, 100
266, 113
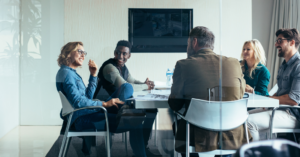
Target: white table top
253, 101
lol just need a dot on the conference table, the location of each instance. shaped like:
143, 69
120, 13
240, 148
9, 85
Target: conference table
158, 99
253, 100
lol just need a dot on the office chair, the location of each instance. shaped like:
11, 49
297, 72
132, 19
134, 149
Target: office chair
280, 130
274, 148
69, 110
200, 114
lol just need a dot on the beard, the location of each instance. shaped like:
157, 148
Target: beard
282, 53
190, 50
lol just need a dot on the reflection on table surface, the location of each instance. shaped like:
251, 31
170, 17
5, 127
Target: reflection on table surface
159, 99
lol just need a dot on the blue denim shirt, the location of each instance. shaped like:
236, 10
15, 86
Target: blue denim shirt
288, 80
72, 86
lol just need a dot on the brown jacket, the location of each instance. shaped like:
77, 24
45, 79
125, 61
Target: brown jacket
191, 79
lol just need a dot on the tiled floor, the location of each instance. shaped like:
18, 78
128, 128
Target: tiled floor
28, 141
36, 141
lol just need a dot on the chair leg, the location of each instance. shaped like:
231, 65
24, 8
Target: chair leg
246, 132
110, 140
105, 142
175, 122
126, 143
107, 145
155, 131
187, 144
66, 146
295, 137
123, 137
62, 147
271, 123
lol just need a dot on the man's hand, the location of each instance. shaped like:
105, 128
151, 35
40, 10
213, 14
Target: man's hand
150, 84
249, 89
93, 68
285, 99
112, 102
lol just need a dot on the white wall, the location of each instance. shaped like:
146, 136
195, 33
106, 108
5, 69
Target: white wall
101, 24
42, 37
9, 65
261, 21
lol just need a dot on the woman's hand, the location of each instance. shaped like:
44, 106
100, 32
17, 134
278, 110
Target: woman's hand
93, 68
249, 89
112, 102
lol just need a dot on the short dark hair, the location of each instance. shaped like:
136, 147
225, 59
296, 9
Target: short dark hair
124, 43
290, 34
205, 37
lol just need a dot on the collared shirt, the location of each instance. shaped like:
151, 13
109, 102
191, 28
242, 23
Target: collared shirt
288, 80
72, 86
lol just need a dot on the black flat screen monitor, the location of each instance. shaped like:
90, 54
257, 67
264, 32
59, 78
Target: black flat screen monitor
159, 30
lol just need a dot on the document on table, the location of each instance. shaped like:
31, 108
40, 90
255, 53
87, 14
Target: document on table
153, 95
161, 92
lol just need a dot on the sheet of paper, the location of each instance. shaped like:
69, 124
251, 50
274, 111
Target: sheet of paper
161, 92
151, 97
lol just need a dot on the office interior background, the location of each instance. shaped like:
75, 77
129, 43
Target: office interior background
32, 33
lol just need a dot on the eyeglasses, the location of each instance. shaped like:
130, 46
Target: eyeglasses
82, 52
279, 41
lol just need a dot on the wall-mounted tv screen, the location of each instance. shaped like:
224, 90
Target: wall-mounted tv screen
159, 30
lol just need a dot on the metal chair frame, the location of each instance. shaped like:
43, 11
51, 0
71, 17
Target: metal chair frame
272, 143
271, 92
190, 149
274, 130
69, 134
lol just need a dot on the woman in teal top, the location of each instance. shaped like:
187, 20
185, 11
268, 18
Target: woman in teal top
256, 74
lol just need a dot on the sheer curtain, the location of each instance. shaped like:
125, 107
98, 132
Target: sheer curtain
286, 14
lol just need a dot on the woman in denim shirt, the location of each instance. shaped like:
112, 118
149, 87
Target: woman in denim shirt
256, 74
71, 85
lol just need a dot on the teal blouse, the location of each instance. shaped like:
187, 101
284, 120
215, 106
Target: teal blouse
260, 79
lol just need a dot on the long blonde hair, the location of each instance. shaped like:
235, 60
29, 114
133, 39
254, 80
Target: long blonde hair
259, 56
65, 53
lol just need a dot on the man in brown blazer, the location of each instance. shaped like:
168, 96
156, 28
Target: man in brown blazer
192, 78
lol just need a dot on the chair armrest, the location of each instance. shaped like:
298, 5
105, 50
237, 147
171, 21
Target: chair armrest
180, 115
273, 114
175, 120
288, 106
282, 106
91, 107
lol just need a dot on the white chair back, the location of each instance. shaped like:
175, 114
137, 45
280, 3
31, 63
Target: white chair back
274, 148
273, 90
67, 107
217, 115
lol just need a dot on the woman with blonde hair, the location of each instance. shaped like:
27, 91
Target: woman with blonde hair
256, 74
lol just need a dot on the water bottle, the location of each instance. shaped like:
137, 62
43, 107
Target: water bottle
169, 75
